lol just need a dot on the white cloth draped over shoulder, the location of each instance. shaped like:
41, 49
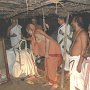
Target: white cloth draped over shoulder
15, 40
60, 37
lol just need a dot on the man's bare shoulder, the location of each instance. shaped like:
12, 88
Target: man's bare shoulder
83, 34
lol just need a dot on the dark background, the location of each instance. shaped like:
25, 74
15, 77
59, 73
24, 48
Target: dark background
50, 19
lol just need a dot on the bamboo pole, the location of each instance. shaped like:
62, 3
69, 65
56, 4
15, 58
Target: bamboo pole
64, 57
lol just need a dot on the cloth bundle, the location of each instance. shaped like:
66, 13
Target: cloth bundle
25, 62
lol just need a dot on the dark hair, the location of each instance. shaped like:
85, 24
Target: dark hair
80, 21
62, 18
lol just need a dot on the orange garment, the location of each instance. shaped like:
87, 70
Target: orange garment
54, 58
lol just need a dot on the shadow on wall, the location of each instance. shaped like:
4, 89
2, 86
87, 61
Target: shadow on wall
4, 24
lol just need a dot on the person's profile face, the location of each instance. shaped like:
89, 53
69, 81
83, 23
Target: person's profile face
73, 23
29, 29
60, 21
39, 37
14, 21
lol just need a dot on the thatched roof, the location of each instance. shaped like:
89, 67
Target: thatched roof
24, 8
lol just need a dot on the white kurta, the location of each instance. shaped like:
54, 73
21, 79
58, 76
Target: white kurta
15, 40
60, 39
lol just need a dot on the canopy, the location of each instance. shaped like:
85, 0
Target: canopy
26, 8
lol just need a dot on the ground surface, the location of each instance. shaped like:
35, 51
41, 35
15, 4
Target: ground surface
39, 84
17, 84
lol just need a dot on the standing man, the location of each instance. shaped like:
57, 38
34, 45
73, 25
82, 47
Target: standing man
60, 39
14, 31
78, 50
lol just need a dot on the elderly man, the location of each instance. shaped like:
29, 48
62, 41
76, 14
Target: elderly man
14, 31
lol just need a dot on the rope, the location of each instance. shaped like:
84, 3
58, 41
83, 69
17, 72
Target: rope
56, 8
27, 6
43, 20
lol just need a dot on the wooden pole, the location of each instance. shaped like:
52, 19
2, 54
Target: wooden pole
64, 57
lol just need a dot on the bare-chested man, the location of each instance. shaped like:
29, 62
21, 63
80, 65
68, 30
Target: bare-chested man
78, 50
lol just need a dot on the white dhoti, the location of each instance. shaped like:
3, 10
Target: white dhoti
11, 58
76, 78
87, 75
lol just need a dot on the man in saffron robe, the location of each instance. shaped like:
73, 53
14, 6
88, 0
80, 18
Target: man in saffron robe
43, 45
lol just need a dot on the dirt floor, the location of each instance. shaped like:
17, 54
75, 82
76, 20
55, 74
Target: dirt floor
39, 84
18, 84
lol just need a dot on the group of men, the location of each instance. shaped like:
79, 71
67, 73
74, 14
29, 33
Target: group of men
77, 42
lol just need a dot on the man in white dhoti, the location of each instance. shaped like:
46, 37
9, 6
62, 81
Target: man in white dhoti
78, 50
14, 31
60, 39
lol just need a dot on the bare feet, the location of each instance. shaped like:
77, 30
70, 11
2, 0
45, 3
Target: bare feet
48, 84
31, 78
54, 87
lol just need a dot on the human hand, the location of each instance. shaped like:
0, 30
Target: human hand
13, 35
79, 67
